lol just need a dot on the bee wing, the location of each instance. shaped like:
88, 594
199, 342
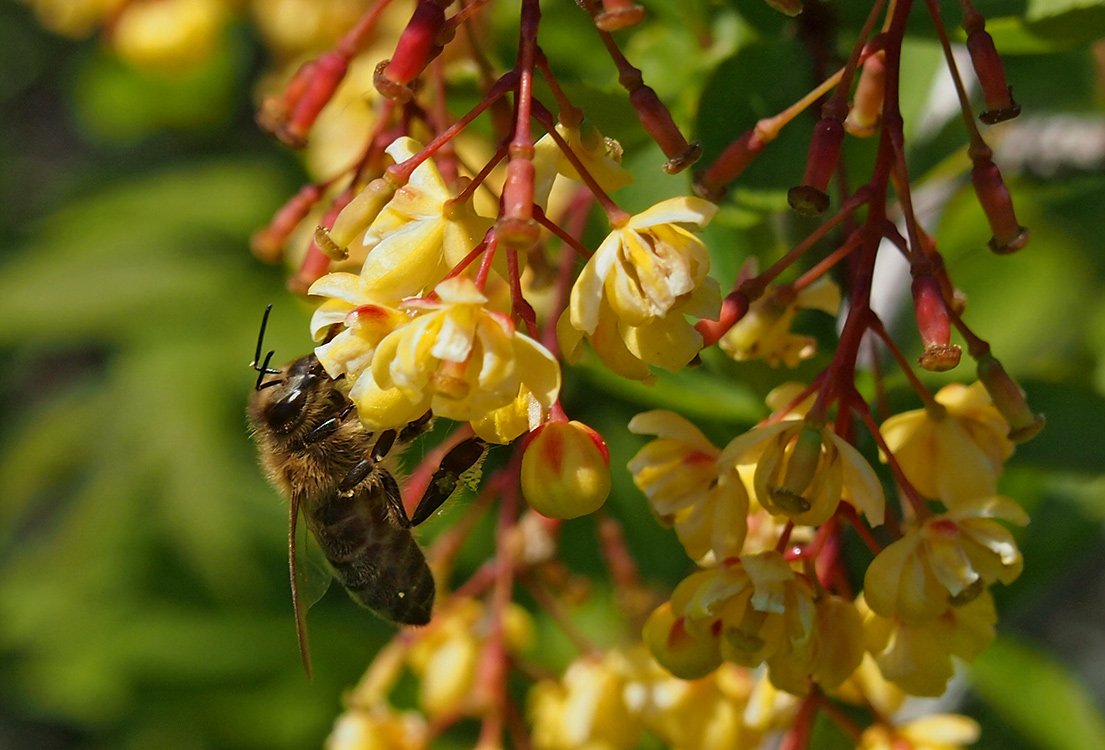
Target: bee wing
309, 576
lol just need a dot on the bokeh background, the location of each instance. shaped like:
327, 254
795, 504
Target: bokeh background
143, 594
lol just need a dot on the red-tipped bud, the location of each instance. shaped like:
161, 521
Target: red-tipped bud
810, 198
291, 117
990, 71
565, 470
1009, 399
934, 324
685, 655
354, 218
419, 43
736, 157
997, 203
619, 14
268, 243
866, 112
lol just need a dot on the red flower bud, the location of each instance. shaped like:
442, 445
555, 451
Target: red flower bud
736, 157
810, 198
268, 243
933, 323
866, 112
990, 71
419, 43
1009, 235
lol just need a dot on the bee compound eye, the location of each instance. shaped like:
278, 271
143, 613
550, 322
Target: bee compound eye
285, 413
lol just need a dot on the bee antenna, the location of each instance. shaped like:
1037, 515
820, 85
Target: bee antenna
264, 368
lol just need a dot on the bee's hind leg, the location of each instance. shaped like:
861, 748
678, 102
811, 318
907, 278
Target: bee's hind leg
460, 458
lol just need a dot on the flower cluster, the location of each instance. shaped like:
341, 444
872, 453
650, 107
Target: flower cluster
453, 275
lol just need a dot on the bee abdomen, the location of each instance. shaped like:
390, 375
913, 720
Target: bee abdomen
378, 562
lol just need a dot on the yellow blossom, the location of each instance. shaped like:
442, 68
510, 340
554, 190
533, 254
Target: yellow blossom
586, 708
420, 234
600, 156
757, 606
379, 727
565, 470
364, 320
932, 732
955, 449
633, 296
457, 358
867, 687
764, 331
828, 656
174, 35
705, 714
686, 485
948, 560
446, 654
803, 470
918, 658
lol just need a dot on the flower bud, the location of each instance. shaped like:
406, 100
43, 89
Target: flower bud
810, 198
991, 73
866, 112
417, 46
268, 243
736, 157
657, 120
993, 195
566, 470
684, 654
933, 323
354, 219
1009, 400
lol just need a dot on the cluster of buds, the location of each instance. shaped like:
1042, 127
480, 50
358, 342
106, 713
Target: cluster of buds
462, 291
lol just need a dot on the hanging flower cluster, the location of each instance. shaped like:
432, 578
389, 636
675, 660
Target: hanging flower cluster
836, 554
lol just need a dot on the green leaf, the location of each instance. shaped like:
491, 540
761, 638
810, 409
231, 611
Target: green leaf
1067, 21
1038, 696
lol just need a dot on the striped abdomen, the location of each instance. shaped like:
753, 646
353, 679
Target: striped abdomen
374, 557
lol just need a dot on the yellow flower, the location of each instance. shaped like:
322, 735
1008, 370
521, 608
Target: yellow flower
379, 727
867, 687
586, 708
365, 321
446, 654
420, 234
632, 297
687, 655
918, 658
706, 714
686, 485
566, 470
803, 470
764, 331
948, 560
175, 35
600, 156
757, 606
933, 732
457, 358
954, 450
828, 655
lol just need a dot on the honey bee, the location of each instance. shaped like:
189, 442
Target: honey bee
316, 452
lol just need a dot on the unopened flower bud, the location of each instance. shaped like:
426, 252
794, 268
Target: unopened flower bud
990, 71
566, 470
933, 323
1009, 236
810, 198
1009, 399
354, 219
268, 243
657, 120
866, 112
684, 654
419, 43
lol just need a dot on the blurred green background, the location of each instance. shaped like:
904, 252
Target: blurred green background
143, 596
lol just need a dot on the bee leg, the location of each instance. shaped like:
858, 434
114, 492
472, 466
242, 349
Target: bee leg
460, 458
394, 497
364, 467
328, 427
415, 428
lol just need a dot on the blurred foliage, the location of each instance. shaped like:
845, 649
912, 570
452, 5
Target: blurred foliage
143, 598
